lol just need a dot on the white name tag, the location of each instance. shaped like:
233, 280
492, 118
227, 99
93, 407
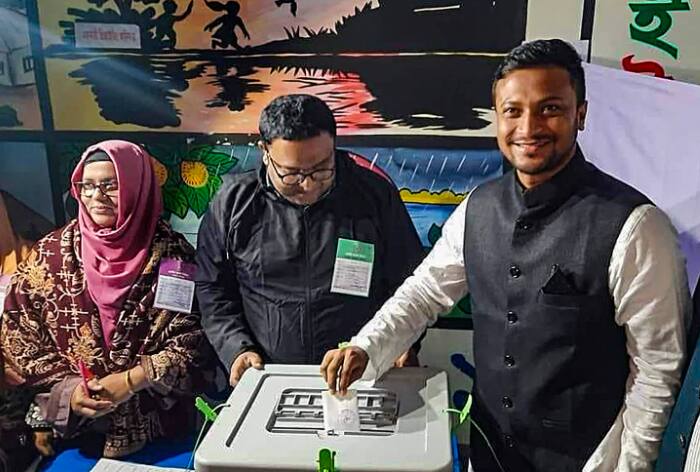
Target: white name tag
352, 273
341, 414
175, 289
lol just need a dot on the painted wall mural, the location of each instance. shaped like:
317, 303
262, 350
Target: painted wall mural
19, 104
210, 66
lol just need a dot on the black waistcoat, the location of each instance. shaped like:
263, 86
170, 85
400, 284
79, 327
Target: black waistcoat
551, 362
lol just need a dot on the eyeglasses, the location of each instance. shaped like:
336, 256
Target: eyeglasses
296, 178
109, 188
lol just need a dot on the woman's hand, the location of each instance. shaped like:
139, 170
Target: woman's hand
116, 388
83, 405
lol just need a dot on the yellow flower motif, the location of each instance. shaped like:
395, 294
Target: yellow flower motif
39, 280
194, 174
83, 347
194, 178
160, 170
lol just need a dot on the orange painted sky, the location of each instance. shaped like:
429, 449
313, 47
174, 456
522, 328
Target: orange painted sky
264, 20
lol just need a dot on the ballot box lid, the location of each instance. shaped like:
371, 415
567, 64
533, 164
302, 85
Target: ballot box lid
274, 421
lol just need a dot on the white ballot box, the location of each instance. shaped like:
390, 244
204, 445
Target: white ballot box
274, 421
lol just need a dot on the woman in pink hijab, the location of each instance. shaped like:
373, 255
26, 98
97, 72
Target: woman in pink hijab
85, 298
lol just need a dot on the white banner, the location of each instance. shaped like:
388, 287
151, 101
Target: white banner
644, 131
655, 37
107, 36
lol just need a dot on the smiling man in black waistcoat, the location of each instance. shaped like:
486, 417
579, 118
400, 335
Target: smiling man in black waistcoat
579, 292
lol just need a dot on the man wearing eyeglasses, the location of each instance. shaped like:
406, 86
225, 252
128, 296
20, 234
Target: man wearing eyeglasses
294, 258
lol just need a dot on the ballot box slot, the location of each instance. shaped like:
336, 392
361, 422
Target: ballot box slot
300, 411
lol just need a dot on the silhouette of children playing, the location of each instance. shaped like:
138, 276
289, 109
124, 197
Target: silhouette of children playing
225, 35
165, 23
292, 5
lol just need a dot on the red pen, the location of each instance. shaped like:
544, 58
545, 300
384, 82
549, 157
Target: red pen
87, 375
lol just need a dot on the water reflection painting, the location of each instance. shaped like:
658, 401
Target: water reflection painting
387, 67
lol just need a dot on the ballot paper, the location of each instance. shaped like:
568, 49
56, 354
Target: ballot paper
111, 465
340, 413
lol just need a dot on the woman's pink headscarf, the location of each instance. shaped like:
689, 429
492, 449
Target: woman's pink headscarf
114, 257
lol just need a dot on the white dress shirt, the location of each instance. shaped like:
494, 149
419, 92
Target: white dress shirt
692, 462
649, 287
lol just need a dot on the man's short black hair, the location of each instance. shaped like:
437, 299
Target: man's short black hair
295, 118
546, 52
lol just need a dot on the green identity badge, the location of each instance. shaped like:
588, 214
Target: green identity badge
352, 273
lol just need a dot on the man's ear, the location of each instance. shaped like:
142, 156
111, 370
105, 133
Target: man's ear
261, 145
581, 116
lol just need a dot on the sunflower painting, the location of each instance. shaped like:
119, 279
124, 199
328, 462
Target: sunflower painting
191, 176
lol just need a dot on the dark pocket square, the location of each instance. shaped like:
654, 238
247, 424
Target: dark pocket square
558, 283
